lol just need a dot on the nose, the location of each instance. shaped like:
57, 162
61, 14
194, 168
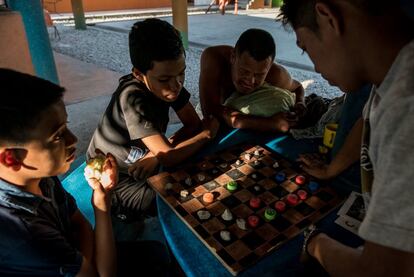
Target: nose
176, 84
70, 138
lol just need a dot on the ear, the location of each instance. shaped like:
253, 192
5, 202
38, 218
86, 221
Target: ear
9, 158
138, 74
233, 56
328, 18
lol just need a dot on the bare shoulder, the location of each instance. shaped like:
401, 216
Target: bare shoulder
217, 54
278, 75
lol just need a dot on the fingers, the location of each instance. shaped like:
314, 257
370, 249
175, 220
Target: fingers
95, 184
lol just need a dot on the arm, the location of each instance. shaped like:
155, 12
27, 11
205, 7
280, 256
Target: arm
146, 166
104, 250
347, 155
235, 119
280, 77
191, 122
373, 260
209, 82
169, 155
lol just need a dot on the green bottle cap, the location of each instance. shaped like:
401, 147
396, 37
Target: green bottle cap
232, 185
270, 214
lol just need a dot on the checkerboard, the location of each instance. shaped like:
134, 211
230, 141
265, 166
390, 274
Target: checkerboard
245, 246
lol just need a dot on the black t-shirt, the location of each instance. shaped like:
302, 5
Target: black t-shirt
133, 113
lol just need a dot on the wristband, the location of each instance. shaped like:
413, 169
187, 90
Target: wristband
309, 233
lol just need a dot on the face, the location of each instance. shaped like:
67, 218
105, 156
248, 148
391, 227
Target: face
52, 149
165, 79
331, 57
247, 73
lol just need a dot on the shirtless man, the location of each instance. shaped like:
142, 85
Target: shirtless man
244, 68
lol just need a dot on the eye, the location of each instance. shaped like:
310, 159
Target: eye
58, 137
163, 80
303, 51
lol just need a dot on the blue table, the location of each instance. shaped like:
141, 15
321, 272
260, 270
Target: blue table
197, 260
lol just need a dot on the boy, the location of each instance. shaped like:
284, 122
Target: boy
136, 119
244, 68
43, 233
348, 48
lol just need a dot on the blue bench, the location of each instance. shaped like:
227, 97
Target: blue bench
74, 182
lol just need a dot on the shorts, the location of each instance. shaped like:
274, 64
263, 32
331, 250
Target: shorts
132, 200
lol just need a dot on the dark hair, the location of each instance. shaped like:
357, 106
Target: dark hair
258, 43
23, 99
153, 40
301, 13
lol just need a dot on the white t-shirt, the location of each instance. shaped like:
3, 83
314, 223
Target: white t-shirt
390, 110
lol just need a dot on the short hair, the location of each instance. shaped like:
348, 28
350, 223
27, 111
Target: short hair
23, 99
258, 43
153, 40
301, 13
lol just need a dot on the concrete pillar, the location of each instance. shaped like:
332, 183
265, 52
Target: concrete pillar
180, 19
38, 38
78, 14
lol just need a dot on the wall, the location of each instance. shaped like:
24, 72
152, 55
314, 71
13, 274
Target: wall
13, 34
65, 6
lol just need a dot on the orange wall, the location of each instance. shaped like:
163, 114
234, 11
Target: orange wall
65, 6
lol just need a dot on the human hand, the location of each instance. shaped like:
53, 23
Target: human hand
144, 167
283, 121
102, 184
104, 169
315, 165
211, 126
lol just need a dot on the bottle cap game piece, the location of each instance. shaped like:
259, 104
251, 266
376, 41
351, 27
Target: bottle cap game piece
223, 165
247, 157
168, 186
280, 206
292, 199
203, 215
256, 153
255, 202
188, 181
253, 221
313, 186
269, 214
241, 223
238, 162
184, 193
225, 235
300, 180
280, 177
208, 197
257, 188
232, 185
275, 165
254, 175
227, 215
201, 177
302, 194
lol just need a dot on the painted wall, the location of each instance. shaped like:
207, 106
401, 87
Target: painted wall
13, 33
64, 6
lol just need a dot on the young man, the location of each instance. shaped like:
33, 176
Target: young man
43, 233
134, 124
354, 42
244, 68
